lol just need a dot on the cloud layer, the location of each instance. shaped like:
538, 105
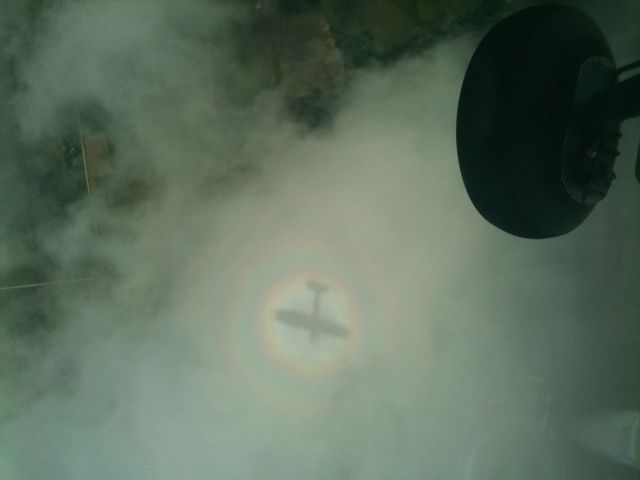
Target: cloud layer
169, 366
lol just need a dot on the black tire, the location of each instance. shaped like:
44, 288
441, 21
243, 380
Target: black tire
513, 113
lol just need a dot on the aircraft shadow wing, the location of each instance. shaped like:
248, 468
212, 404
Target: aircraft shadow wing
314, 325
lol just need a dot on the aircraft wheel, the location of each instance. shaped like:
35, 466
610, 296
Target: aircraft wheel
513, 114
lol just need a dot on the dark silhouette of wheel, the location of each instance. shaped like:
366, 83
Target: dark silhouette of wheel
513, 114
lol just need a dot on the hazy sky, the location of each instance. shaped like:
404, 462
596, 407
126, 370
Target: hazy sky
177, 368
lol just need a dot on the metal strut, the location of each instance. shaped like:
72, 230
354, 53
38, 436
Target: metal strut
628, 67
619, 102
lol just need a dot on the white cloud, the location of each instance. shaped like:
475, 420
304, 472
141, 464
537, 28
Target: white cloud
165, 372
